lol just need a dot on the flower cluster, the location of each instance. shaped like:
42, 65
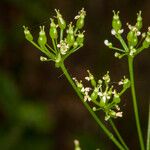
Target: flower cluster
136, 40
66, 39
102, 94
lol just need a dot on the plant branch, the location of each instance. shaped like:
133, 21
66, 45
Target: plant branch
107, 132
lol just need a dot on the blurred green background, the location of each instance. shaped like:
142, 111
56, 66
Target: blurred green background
38, 108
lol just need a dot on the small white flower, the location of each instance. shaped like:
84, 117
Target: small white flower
132, 51
107, 43
87, 89
119, 114
107, 118
138, 33
74, 78
113, 32
104, 98
143, 35
63, 46
121, 31
83, 90
120, 82
117, 107
43, 58
87, 97
87, 78
100, 93
94, 109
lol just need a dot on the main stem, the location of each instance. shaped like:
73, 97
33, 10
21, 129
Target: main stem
107, 132
130, 63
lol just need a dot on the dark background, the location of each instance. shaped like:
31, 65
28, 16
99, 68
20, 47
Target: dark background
38, 108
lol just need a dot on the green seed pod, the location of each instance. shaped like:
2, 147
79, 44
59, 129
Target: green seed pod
27, 33
146, 42
126, 83
116, 99
102, 103
80, 19
42, 40
94, 94
139, 23
112, 113
61, 21
75, 44
70, 35
80, 39
91, 77
116, 23
132, 38
53, 30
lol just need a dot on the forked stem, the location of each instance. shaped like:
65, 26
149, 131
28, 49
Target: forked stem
107, 132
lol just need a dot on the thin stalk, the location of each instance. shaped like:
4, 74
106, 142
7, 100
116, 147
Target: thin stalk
61, 34
119, 37
148, 131
117, 49
118, 134
107, 132
54, 45
130, 63
51, 48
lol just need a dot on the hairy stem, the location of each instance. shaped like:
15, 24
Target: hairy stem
107, 132
130, 63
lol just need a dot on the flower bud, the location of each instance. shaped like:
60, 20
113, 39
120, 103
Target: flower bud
116, 23
80, 39
139, 21
43, 58
42, 40
146, 42
27, 33
126, 83
112, 113
53, 30
61, 21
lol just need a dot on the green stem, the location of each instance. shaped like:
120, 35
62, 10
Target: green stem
119, 37
117, 49
54, 45
61, 34
130, 63
148, 131
107, 132
118, 134
139, 50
